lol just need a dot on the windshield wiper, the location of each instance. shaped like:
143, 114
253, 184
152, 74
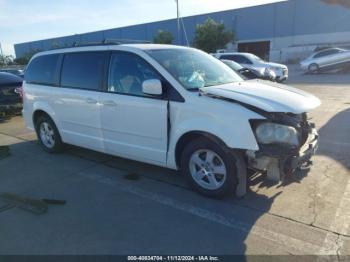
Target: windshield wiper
193, 89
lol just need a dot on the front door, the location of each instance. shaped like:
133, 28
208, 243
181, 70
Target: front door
134, 125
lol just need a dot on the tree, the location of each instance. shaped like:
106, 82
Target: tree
6, 60
163, 37
212, 36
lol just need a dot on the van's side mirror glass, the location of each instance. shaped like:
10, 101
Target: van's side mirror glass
152, 87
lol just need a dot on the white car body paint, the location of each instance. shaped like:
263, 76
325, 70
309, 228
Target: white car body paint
269, 97
93, 119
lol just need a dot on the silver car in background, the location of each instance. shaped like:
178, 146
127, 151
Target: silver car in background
255, 63
327, 59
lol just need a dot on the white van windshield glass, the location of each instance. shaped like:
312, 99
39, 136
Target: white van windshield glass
194, 69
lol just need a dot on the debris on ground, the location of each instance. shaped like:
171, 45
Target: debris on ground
35, 206
132, 176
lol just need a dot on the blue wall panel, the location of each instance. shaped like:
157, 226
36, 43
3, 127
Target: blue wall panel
22, 48
255, 22
112, 33
284, 19
134, 32
293, 17
315, 17
92, 37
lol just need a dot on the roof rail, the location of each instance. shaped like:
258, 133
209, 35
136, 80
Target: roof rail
111, 42
125, 41
105, 42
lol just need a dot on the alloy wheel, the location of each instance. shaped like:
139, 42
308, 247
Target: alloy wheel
207, 169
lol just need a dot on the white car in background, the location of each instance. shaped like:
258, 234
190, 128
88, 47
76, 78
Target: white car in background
327, 59
255, 63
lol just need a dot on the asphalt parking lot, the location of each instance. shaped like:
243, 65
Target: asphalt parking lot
117, 206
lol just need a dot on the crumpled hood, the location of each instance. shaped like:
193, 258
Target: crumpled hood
268, 96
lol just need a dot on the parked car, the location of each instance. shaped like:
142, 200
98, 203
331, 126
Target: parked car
14, 71
10, 94
170, 106
327, 59
246, 73
255, 63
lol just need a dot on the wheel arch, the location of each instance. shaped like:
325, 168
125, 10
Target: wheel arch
190, 136
313, 64
40, 109
38, 113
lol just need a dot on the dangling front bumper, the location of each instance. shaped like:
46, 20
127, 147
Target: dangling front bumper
279, 161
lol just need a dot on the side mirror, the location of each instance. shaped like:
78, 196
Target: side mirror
152, 87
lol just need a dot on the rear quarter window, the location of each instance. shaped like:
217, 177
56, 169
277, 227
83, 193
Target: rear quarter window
83, 70
43, 70
236, 58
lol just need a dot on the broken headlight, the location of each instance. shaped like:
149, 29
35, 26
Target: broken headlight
271, 133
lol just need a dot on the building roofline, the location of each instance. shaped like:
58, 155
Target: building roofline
147, 23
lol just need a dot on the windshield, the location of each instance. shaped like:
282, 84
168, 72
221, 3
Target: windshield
233, 65
254, 57
194, 69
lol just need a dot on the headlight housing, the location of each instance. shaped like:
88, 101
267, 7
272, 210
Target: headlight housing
264, 72
270, 133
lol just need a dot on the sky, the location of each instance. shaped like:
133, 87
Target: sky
23, 20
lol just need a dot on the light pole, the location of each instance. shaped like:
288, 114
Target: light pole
2, 54
178, 21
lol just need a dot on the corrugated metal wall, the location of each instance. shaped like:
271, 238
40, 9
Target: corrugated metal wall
294, 17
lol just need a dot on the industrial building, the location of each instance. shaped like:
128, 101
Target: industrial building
282, 31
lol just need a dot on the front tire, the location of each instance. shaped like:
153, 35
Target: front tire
48, 135
210, 168
313, 68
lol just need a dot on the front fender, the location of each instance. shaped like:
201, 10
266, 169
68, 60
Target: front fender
233, 128
237, 135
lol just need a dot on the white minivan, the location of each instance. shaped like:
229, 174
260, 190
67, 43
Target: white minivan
170, 106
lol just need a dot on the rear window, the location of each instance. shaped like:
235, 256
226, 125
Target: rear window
83, 70
42, 70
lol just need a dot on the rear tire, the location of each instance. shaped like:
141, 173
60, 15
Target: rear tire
210, 168
48, 135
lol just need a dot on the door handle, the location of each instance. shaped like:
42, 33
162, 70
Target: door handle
91, 101
109, 103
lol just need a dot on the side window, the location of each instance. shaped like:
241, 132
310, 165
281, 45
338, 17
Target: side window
42, 70
246, 60
332, 52
127, 73
227, 57
321, 54
325, 53
83, 70
240, 59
